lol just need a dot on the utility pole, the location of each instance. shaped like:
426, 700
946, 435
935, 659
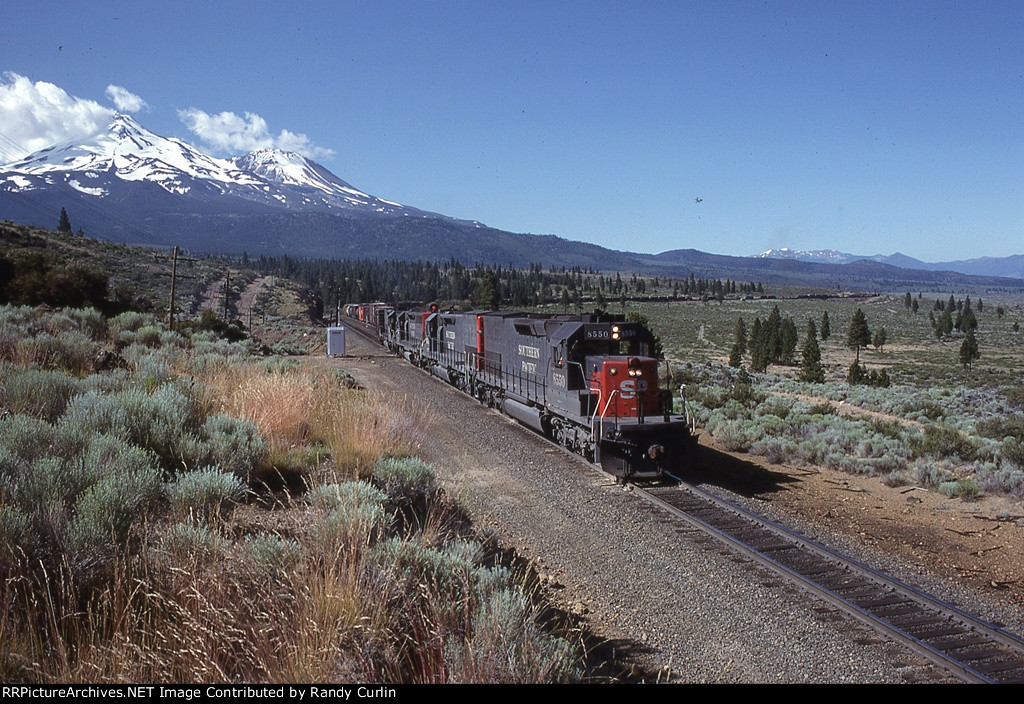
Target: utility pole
227, 285
174, 277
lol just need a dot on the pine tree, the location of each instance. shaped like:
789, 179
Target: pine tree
879, 339
772, 329
735, 356
968, 321
490, 290
759, 347
826, 328
788, 339
811, 369
944, 324
859, 335
741, 337
969, 350
64, 226
856, 375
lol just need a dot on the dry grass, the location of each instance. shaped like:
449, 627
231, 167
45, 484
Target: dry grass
160, 619
278, 402
311, 406
308, 406
189, 601
359, 428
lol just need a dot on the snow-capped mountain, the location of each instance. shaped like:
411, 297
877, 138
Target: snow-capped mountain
823, 256
116, 165
1012, 266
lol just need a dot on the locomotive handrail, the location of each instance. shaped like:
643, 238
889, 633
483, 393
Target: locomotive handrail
607, 403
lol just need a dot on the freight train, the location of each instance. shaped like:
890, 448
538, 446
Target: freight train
587, 382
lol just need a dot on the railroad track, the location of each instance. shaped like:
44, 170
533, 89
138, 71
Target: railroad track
972, 649
967, 646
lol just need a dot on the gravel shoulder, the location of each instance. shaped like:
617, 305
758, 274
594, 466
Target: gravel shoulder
675, 606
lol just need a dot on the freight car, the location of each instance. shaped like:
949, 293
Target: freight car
587, 382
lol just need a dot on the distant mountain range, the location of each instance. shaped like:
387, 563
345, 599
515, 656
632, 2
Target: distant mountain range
128, 184
1012, 266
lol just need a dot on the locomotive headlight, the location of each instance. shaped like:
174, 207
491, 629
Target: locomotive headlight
632, 372
639, 372
615, 332
613, 371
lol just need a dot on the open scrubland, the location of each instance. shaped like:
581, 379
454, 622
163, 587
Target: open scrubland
200, 505
184, 506
939, 423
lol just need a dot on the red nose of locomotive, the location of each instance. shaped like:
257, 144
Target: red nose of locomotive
625, 385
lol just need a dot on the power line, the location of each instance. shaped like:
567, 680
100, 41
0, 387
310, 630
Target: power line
15, 145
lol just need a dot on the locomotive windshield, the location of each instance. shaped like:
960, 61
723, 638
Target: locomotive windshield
640, 348
591, 348
616, 339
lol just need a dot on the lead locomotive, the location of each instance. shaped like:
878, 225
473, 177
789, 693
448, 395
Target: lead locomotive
587, 382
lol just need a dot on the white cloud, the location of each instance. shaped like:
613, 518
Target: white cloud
38, 115
228, 132
125, 100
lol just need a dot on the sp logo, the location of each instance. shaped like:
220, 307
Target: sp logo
628, 388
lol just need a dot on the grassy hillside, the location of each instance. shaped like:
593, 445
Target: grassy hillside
137, 278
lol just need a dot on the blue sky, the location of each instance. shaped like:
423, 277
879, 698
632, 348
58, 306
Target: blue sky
868, 127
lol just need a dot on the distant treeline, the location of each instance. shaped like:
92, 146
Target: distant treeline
479, 286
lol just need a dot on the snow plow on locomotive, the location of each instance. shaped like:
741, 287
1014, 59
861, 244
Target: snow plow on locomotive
587, 382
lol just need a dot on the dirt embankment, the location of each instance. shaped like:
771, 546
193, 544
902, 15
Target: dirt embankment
976, 543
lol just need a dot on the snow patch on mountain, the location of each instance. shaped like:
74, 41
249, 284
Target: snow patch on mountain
127, 154
85, 189
825, 256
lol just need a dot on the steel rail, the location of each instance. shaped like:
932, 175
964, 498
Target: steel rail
971, 648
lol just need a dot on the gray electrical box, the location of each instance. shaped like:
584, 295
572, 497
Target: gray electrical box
335, 341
